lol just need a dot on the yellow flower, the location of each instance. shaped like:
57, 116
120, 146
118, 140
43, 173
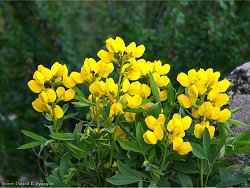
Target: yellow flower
132, 102
192, 76
177, 126
201, 86
193, 91
224, 115
35, 86
134, 88
125, 85
65, 95
158, 131
222, 85
199, 128
183, 79
163, 95
195, 113
45, 72
129, 116
112, 87
147, 105
104, 69
116, 109
144, 91
58, 112
161, 81
184, 101
220, 100
88, 68
77, 77
182, 148
47, 96
69, 82
51, 95
149, 137
213, 94
38, 105
59, 70
116, 45
136, 52
105, 56
132, 70
152, 122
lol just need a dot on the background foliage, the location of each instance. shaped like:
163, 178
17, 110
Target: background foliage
184, 34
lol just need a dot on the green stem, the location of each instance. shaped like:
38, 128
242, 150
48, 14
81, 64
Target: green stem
201, 173
164, 155
206, 180
97, 117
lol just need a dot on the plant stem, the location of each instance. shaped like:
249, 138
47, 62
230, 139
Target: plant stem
164, 155
201, 173
206, 180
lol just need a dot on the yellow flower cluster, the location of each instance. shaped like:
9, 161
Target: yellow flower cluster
205, 95
176, 127
156, 129
176, 131
53, 85
127, 91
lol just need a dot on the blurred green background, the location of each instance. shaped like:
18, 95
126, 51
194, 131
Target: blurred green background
184, 34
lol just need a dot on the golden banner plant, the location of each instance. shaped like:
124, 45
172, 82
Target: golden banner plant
141, 132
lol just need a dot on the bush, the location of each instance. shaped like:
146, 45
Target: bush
184, 34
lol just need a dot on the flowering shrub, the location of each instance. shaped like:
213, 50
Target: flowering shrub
141, 131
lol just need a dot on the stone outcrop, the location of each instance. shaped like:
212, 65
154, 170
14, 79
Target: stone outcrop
239, 93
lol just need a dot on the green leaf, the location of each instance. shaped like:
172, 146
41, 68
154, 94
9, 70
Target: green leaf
51, 164
129, 146
64, 166
157, 171
79, 92
62, 136
65, 108
30, 145
185, 180
238, 150
238, 123
236, 109
80, 104
73, 147
78, 128
154, 110
125, 169
139, 136
54, 179
171, 94
154, 88
135, 110
233, 180
34, 136
122, 179
70, 115
187, 168
198, 151
206, 142
126, 131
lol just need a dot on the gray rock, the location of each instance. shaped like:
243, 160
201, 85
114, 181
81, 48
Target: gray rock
240, 79
239, 92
